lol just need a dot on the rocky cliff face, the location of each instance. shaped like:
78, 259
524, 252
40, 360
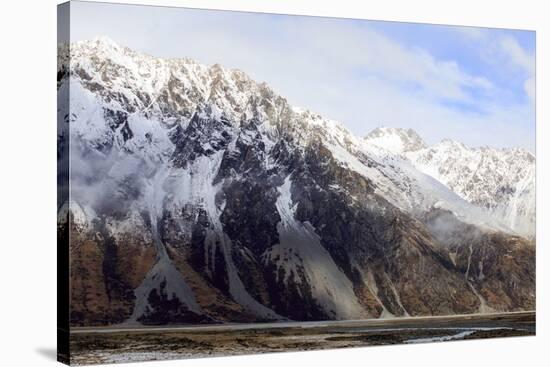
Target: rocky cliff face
200, 196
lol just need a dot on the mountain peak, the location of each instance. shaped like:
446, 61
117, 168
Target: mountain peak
452, 144
396, 140
105, 41
99, 43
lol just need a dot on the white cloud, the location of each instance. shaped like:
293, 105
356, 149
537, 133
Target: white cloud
518, 55
373, 53
343, 70
503, 49
522, 59
530, 88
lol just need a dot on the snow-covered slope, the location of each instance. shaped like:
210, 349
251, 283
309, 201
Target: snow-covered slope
396, 140
393, 175
158, 95
499, 181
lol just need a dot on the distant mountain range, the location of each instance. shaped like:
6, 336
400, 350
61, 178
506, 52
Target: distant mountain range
201, 196
500, 181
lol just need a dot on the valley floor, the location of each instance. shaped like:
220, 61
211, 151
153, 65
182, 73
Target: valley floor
125, 344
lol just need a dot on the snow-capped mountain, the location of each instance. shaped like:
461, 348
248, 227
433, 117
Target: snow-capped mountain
199, 195
396, 140
499, 181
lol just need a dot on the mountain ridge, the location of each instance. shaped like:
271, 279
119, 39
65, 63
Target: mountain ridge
491, 178
201, 196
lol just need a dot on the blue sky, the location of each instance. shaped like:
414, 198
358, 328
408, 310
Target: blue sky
475, 85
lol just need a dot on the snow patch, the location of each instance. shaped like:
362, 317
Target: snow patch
300, 249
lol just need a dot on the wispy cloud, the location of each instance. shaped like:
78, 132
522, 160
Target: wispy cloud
504, 51
522, 59
350, 70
